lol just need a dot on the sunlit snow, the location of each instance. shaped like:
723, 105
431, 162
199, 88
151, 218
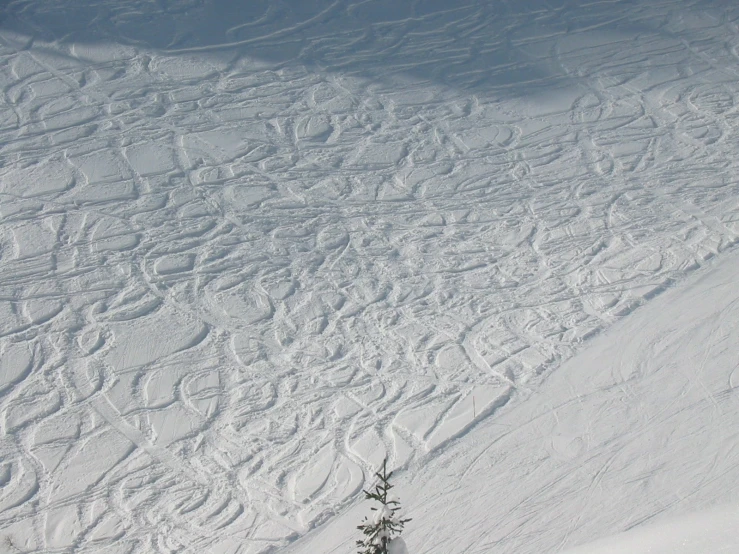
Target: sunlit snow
250, 249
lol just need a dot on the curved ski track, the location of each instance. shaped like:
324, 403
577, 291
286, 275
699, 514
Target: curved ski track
230, 283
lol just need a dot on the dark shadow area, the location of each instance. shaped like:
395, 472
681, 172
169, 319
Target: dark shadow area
475, 45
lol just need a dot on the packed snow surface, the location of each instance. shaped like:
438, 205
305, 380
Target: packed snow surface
639, 432
249, 249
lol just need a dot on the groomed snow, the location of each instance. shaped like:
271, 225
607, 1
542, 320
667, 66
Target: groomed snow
247, 250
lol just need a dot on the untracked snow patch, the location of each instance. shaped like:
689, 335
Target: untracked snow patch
713, 531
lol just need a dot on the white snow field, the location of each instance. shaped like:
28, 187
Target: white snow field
640, 427
249, 249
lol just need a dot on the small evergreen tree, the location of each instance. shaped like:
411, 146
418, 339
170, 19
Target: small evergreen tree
386, 524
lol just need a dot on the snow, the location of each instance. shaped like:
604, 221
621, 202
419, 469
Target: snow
249, 251
638, 429
397, 546
712, 531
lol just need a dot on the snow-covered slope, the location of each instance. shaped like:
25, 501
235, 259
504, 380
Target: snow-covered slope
639, 428
247, 251
701, 533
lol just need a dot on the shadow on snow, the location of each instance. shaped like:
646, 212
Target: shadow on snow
480, 46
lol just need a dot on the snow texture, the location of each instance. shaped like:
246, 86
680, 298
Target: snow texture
247, 250
397, 546
636, 433
709, 532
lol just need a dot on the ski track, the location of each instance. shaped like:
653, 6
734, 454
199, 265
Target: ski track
231, 283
